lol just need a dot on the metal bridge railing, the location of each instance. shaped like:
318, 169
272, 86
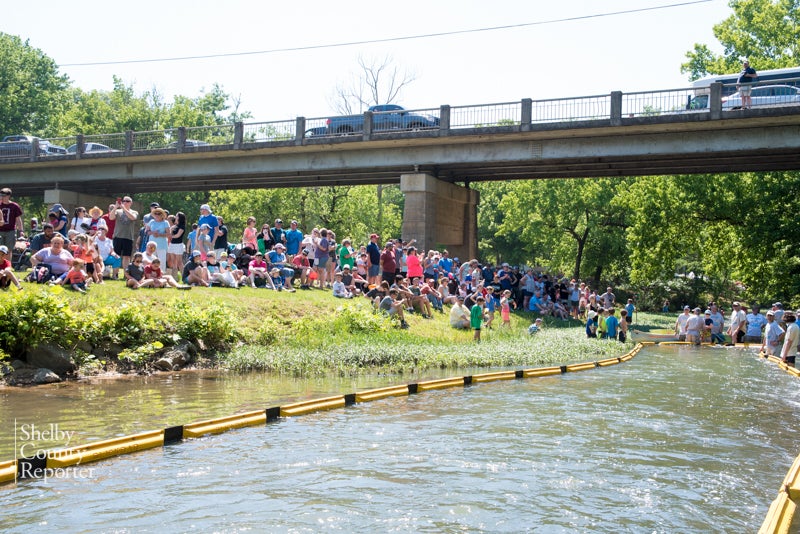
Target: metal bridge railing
259, 132
654, 103
571, 109
486, 115
524, 114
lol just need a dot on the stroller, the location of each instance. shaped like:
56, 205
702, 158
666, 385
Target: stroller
21, 256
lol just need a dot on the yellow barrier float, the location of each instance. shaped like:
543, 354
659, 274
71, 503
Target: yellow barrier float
779, 517
580, 367
491, 377
8, 471
382, 393
541, 371
608, 361
791, 483
440, 384
216, 426
314, 405
104, 449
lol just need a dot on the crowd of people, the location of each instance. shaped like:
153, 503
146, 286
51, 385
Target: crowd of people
161, 249
775, 331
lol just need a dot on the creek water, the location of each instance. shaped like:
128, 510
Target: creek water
675, 440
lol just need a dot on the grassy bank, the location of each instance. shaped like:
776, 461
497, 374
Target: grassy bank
310, 332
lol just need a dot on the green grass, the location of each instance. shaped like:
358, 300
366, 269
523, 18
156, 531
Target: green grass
302, 333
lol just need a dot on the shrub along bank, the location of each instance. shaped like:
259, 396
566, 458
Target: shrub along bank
115, 329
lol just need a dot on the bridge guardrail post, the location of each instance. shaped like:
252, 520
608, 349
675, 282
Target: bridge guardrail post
526, 115
368, 125
616, 108
238, 135
128, 142
444, 120
299, 130
181, 139
80, 146
715, 101
34, 150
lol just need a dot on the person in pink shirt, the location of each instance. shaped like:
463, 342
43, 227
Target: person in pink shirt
258, 269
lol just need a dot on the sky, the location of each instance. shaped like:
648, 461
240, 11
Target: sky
545, 56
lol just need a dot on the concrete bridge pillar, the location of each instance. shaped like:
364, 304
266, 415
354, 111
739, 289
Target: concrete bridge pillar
440, 215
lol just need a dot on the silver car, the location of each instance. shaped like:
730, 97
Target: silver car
765, 95
94, 148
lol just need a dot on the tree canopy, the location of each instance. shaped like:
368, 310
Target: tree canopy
767, 32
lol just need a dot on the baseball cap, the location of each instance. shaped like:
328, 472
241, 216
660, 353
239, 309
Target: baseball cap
196, 253
687, 307
205, 207
345, 267
280, 245
205, 226
154, 205
278, 221
592, 314
4, 249
770, 312
374, 236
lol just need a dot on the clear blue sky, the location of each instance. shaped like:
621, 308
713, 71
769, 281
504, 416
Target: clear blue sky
626, 52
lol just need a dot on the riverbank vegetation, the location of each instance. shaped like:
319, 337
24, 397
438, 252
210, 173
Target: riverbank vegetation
115, 329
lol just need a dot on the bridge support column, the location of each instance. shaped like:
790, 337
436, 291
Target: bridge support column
440, 215
71, 200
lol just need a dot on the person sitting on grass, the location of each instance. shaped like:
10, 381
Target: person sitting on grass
459, 314
275, 280
476, 316
302, 268
339, 289
75, 277
194, 272
277, 260
434, 296
134, 273
232, 275
413, 296
393, 307
377, 293
258, 269
7, 276
536, 327
153, 272
354, 283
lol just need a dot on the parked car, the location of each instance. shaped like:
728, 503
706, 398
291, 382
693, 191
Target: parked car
765, 95
189, 142
20, 146
91, 148
386, 117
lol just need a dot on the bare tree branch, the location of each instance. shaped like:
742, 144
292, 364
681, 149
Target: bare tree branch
378, 81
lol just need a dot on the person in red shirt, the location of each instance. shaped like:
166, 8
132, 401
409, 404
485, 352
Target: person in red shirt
7, 276
153, 272
388, 263
258, 268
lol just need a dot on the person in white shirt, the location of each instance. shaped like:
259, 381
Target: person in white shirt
773, 333
738, 323
790, 339
680, 324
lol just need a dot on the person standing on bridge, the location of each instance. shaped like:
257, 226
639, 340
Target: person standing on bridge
744, 84
10, 219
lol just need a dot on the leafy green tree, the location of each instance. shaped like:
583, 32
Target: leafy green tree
767, 32
32, 92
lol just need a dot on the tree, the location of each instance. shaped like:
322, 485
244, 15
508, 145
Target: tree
378, 81
32, 92
767, 32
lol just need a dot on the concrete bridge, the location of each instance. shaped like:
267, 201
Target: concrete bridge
608, 135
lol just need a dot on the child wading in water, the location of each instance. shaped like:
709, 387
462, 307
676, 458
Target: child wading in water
476, 317
505, 308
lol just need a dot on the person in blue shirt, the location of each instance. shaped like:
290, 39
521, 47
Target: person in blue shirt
612, 324
206, 217
591, 324
445, 263
293, 239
